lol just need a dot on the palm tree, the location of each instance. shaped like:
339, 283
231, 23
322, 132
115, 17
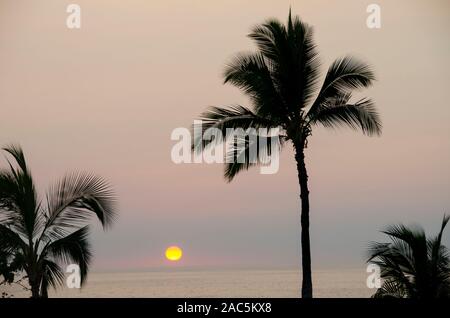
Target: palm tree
40, 235
411, 265
281, 79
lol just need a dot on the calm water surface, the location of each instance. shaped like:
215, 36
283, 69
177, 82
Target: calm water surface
226, 283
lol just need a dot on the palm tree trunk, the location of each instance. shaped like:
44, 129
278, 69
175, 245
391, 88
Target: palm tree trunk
34, 289
33, 279
307, 291
44, 292
34, 283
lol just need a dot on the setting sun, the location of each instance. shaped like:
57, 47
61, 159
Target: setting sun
174, 253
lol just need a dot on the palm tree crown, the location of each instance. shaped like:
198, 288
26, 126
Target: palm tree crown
281, 80
37, 236
412, 266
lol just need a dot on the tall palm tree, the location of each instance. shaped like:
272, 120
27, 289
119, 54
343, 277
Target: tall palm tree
412, 266
281, 80
38, 236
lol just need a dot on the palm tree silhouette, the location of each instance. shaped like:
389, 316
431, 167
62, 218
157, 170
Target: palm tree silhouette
411, 265
38, 236
281, 79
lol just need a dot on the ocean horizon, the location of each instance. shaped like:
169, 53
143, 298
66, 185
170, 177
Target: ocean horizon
230, 283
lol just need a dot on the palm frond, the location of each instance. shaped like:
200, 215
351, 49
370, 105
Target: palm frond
74, 248
390, 289
52, 275
306, 58
435, 244
440, 261
9, 197
270, 38
294, 59
253, 150
17, 153
74, 200
18, 197
360, 115
233, 117
252, 74
10, 241
343, 76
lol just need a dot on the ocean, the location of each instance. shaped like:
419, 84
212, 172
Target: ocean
220, 284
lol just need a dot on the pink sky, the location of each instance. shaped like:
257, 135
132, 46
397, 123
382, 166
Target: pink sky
106, 98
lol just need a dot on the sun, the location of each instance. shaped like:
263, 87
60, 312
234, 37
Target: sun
174, 253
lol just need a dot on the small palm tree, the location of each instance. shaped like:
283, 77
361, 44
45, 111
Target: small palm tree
37, 236
281, 80
412, 266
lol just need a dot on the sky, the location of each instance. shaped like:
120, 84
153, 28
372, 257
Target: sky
106, 97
